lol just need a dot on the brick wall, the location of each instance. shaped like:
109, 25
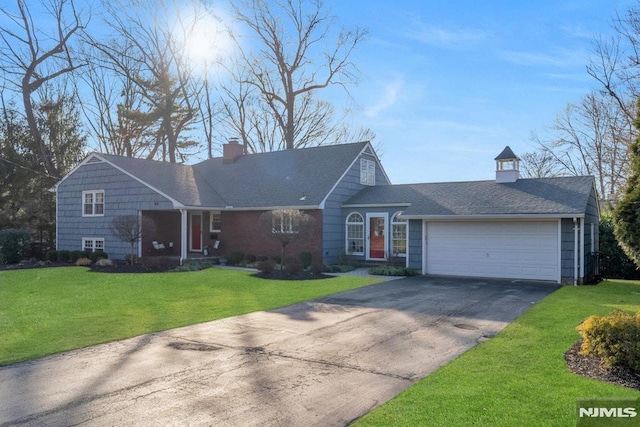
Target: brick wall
241, 233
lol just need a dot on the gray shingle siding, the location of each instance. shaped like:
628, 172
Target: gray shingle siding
123, 196
415, 244
567, 249
334, 215
591, 216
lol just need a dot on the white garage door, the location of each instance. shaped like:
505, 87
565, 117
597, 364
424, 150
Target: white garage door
518, 250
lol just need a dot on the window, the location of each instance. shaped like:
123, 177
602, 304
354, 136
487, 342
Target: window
286, 222
398, 235
367, 172
355, 234
215, 221
93, 244
93, 203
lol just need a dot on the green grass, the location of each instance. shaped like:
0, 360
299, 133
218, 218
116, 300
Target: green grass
519, 377
46, 311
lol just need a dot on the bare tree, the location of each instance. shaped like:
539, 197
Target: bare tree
31, 58
148, 51
592, 138
286, 226
128, 229
276, 91
111, 96
539, 164
616, 61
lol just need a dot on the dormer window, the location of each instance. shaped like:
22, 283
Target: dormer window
367, 172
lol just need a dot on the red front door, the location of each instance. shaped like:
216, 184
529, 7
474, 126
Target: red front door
377, 236
196, 232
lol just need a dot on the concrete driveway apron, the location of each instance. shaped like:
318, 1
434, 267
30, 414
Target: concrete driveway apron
324, 362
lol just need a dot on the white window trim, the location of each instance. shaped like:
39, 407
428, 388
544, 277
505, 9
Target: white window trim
93, 241
406, 233
346, 233
280, 220
367, 172
211, 228
93, 205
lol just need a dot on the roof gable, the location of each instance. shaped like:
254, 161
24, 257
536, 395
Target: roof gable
291, 178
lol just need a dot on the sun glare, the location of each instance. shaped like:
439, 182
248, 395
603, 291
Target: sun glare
208, 42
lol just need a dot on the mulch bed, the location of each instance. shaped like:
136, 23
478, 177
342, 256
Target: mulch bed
161, 267
591, 367
283, 275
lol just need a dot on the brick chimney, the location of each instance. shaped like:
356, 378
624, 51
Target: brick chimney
232, 151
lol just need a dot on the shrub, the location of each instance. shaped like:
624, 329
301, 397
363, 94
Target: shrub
389, 270
615, 263
262, 258
250, 258
95, 256
104, 262
344, 259
83, 262
74, 255
64, 256
614, 338
235, 258
306, 259
192, 266
13, 244
157, 263
318, 267
266, 266
52, 256
277, 259
339, 268
293, 266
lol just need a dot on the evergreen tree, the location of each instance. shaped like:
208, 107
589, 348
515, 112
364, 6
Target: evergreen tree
627, 212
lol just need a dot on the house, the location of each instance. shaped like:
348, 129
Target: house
540, 229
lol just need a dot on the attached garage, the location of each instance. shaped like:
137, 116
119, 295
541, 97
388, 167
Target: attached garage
506, 249
512, 228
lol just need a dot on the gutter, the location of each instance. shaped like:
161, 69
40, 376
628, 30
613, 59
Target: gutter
490, 217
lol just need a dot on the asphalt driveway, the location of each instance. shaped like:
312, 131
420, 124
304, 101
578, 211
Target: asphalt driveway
324, 362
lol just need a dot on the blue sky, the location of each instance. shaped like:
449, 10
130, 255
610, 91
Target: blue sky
447, 84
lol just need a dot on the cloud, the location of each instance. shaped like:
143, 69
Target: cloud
445, 37
388, 99
559, 58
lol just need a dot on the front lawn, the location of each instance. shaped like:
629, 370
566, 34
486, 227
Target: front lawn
46, 311
520, 376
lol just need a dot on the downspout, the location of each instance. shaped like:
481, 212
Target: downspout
183, 235
576, 228
581, 251
57, 221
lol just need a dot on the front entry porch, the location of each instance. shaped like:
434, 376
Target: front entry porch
180, 234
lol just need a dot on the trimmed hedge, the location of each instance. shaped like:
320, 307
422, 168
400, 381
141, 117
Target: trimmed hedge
389, 270
614, 338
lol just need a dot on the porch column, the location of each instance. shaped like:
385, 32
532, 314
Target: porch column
183, 235
140, 234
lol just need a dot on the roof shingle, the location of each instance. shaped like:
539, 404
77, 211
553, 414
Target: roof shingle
542, 196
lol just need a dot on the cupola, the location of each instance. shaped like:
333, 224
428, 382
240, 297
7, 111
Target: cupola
507, 166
